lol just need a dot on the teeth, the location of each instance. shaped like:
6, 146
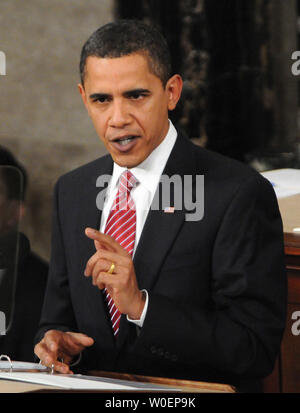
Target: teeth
126, 141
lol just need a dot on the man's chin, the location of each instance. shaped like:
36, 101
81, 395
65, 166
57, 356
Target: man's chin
127, 161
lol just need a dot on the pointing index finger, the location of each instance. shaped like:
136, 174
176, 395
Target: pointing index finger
105, 240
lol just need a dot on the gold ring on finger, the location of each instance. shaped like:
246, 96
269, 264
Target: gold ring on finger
111, 269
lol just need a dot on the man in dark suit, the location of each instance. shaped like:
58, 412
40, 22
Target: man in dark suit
32, 271
198, 298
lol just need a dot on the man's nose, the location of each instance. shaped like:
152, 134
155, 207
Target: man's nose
119, 116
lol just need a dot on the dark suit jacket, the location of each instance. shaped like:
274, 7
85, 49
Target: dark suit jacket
217, 287
28, 301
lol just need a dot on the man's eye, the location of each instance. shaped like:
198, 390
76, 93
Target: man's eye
101, 99
136, 96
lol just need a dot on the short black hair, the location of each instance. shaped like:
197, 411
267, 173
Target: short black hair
15, 177
124, 37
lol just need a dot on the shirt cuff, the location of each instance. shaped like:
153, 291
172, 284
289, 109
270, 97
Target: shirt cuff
140, 322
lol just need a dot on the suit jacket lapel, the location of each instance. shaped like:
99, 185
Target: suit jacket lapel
90, 216
161, 228
90, 211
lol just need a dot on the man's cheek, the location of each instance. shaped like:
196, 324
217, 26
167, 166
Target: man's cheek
101, 133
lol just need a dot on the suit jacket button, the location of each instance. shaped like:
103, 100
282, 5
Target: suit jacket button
160, 352
153, 350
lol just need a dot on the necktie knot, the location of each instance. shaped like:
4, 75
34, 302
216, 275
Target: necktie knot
127, 181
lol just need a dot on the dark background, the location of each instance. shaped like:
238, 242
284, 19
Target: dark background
234, 57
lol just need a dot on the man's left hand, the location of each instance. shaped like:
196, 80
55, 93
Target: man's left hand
121, 284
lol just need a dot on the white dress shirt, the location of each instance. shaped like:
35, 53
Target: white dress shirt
148, 174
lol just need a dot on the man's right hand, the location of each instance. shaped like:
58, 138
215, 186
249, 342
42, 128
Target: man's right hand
57, 349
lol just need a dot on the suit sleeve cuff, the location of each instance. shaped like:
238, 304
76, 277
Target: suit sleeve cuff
140, 322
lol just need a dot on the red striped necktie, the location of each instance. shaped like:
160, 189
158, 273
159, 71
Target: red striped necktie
121, 225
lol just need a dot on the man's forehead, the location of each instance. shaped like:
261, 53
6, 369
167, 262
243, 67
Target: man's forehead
132, 67
134, 57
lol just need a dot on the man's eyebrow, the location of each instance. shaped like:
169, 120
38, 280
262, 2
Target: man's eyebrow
95, 96
138, 91
127, 93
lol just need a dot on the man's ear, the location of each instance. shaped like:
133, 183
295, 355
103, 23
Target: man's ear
173, 89
83, 95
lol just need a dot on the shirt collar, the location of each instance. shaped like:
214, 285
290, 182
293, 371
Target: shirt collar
149, 171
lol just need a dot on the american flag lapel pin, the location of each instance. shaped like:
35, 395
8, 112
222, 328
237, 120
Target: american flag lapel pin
169, 210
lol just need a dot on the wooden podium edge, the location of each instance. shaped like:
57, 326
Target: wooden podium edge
188, 386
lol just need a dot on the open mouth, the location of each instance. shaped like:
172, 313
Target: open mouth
125, 143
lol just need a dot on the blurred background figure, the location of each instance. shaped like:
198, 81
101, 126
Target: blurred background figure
10, 206
31, 276
10, 211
